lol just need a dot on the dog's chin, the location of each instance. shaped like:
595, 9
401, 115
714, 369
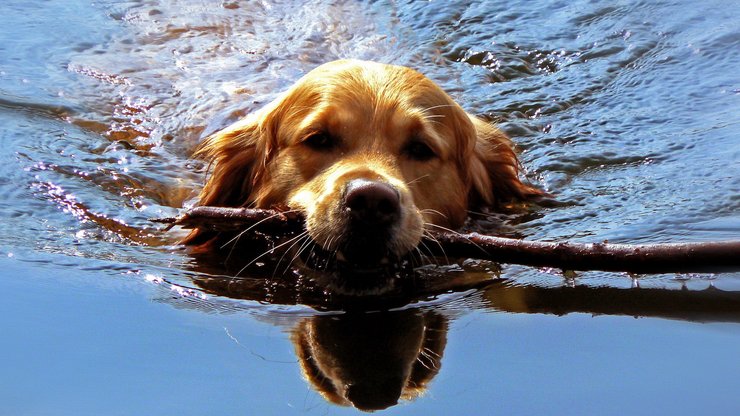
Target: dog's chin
353, 273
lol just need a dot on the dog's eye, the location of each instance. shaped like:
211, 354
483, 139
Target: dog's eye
419, 150
320, 141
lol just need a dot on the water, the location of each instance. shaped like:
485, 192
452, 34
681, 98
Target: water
628, 112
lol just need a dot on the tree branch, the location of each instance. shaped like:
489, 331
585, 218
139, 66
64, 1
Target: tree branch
718, 256
234, 219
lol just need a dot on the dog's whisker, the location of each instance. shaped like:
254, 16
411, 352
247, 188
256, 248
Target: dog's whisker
426, 360
417, 179
301, 249
268, 252
432, 211
277, 264
423, 258
457, 233
304, 242
236, 238
327, 245
429, 359
298, 239
428, 352
445, 229
441, 248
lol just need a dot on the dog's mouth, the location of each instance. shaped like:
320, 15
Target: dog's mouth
348, 272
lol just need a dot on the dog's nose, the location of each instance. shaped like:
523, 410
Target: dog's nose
372, 202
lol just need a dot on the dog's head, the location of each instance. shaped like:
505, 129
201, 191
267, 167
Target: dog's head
372, 154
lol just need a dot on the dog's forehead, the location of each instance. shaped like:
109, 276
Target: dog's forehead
365, 102
374, 84
356, 116
400, 106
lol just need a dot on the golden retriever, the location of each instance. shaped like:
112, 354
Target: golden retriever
373, 155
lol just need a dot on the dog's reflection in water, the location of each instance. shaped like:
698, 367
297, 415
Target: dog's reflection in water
371, 355
371, 360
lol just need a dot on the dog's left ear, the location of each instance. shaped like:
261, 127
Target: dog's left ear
494, 169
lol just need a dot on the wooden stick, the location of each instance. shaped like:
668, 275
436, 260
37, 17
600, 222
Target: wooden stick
234, 219
715, 256
718, 256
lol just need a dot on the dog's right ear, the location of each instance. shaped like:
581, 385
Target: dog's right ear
237, 157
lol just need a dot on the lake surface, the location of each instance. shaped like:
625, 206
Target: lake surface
628, 112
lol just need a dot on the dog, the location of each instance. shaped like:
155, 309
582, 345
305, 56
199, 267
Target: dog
372, 155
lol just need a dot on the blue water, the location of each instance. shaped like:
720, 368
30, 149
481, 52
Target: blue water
627, 112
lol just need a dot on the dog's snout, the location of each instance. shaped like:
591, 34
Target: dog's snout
372, 202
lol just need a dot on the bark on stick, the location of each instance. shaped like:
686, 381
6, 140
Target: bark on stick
715, 256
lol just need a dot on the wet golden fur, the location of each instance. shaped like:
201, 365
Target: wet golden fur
377, 117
